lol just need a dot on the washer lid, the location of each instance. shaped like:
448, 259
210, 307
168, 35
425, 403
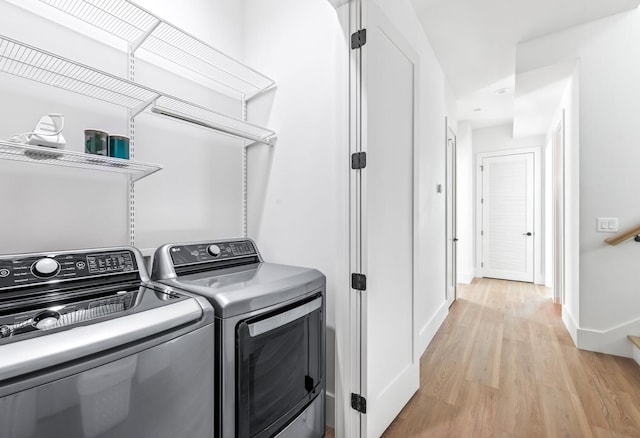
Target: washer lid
241, 289
55, 346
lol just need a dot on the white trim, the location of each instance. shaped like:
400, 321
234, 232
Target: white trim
428, 331
636, 354
609, 341
570, 323
451, 225
538, 268
465, 277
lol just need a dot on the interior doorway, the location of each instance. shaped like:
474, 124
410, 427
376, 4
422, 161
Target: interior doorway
451, 215
507, 215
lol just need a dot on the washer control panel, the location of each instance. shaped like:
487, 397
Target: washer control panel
209, 252
46, 268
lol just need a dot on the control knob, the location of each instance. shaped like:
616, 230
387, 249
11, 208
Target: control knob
214, 250
45, 268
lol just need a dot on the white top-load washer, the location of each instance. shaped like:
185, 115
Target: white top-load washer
270, 335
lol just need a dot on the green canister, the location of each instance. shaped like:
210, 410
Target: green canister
119, 146
96, 142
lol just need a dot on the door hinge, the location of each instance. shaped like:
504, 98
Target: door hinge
358, 282
482, 264
481, 200
358, 39
482, 232
359, 160
481, 168
359, 403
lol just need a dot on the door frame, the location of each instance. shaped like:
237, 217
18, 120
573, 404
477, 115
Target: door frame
450, 134
538, 238
558, 210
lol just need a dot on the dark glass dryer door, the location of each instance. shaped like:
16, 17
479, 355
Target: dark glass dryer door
279, 367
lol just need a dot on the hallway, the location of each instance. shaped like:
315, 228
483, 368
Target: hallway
503, 365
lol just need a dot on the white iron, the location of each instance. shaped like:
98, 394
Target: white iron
47, 133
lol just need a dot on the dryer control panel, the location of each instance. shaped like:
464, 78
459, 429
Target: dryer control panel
211, 252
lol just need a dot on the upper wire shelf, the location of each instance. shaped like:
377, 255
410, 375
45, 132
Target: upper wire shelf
60, 157
144, 30
28, 62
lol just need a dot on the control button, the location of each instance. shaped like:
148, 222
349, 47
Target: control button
46, 267
195, 253
214, 250
4, 272
5, 331
81, 265
46, 319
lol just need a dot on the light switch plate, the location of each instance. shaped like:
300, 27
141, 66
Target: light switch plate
607, 225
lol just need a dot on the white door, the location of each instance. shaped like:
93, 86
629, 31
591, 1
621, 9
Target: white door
383, 225
451, 217
507, 217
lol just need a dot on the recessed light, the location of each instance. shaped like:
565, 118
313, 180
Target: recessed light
477, 110
501, 91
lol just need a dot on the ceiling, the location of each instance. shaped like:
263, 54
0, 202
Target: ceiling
476, 41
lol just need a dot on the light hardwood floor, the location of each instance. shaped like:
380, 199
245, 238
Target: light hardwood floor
503, 365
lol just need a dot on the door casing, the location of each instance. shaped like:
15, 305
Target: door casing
451, 266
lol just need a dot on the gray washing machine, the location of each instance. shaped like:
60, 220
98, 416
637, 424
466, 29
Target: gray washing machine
270, 336
90, 349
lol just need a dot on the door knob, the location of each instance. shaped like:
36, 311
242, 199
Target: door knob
455, 239
527, 234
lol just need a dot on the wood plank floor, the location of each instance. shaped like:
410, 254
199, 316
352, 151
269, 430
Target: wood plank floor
503, 365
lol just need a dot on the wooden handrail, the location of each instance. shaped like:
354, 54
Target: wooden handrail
623, 235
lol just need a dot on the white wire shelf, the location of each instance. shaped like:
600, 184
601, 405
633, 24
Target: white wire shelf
60, 157
144, 30
28, 62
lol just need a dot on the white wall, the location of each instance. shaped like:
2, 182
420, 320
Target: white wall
198, 193
465, 210
298, 210
609, 303
500, 139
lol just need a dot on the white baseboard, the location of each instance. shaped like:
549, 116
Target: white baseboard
428, 331
636, 354
330, 410
465, 277
570, 323
613, 341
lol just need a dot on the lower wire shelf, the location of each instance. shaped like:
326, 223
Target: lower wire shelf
79, 160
